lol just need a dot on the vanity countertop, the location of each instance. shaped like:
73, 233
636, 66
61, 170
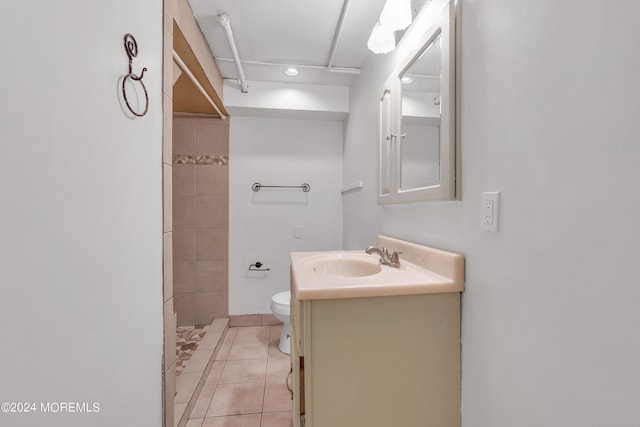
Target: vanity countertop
356, 274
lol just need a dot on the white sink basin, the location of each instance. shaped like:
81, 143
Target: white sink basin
342, 265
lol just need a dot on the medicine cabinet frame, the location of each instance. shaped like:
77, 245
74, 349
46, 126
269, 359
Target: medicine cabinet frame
441, 26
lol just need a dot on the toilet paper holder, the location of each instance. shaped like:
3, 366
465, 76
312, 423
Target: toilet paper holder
257, 266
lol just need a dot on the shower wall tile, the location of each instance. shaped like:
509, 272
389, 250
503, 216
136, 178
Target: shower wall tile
184, 180
168, 12
184, 305
169, 334
200, 159
167, 146
184, 212
212, 136
212, 244
167, 74
211, 276
212, 212
211, 305
184, 277
167, 197
169, 385
167, 249
184, 245
212, 180
169, 393
184, 134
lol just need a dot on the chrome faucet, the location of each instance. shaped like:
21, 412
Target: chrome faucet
392, 260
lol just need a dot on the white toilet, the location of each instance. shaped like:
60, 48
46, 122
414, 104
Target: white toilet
281, 308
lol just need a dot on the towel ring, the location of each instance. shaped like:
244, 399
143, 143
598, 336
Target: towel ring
131, 46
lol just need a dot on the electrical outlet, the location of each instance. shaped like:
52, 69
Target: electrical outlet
487, 212
490, 210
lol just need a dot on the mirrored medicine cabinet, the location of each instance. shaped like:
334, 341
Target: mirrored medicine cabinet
417, 122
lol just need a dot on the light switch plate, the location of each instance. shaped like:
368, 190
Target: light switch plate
297, 232
490, 211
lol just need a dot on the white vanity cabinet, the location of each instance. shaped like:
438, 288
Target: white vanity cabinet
377, 362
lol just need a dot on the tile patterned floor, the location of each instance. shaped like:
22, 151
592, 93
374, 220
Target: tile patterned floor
187, 340
247, 383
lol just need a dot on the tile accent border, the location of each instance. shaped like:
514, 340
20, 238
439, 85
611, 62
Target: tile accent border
188, 159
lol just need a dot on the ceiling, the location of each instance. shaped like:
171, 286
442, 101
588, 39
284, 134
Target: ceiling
271, 35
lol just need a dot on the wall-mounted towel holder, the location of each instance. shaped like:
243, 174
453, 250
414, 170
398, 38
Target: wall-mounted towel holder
304, 187
258, 267
131, 46
354, 186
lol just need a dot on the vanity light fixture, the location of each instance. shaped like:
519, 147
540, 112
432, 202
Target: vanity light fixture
291, 72
406, 80
396, 14
382, 39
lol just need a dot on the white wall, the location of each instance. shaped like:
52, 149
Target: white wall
261, 224
81, 214
550, 309
287, 100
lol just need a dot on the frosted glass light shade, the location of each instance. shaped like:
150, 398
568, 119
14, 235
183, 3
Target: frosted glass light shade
381, 40
396, 14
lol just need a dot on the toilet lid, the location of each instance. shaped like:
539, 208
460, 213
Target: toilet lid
282, 298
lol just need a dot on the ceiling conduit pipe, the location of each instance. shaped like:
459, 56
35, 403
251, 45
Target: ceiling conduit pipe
336, 35
226, 24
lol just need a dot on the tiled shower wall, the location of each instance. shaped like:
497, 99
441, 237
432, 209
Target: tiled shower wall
200, 218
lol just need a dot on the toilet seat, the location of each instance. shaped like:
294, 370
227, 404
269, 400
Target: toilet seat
282, 299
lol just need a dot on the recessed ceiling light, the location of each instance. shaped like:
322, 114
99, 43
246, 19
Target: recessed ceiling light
406, 80
291, 72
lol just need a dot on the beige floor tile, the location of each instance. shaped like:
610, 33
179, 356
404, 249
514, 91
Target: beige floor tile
215, 372
237, 399
277, 419
278, 369
252, 420
274, 333
225, 347
277, 398
231, 334
274, 342
260, 334
234, 393
210, 340
185, 385
198, 361
244, 371
219, 324
275, 353
248, 350
178, 411
202, 404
